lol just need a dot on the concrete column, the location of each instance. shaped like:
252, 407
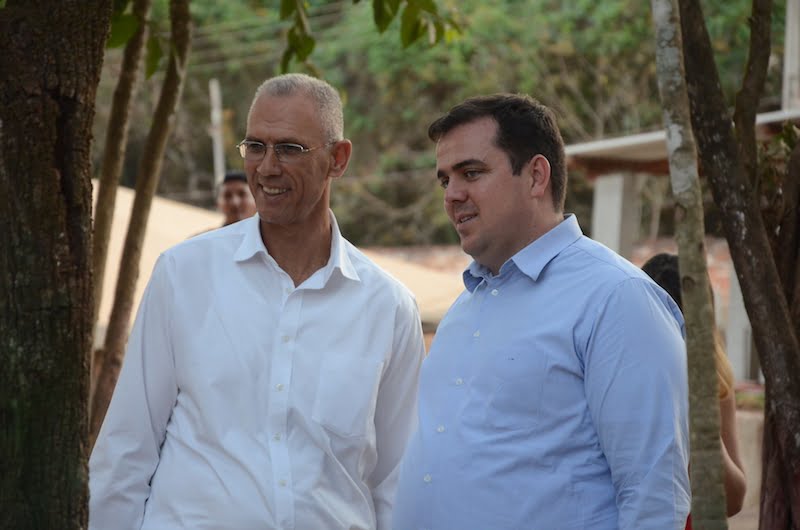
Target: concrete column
738, 334
616, 212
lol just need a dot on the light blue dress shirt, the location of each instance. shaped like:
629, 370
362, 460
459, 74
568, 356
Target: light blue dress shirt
555, 396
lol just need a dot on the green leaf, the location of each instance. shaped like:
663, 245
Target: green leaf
301, 20
120, 6
383, 12
286, 59
288, 8
122, 29
425, 5
410, 27
153, 57
301, 43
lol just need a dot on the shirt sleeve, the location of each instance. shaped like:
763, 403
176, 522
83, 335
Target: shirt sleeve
127, 450
637, 392
396, 409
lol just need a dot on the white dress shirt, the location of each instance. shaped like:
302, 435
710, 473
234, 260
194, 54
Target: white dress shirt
246, 403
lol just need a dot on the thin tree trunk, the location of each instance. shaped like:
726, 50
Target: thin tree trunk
146, 184
767, 307
52, 52
113, 157
708, 495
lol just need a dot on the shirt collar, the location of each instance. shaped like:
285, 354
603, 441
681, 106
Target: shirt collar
252, 244
532, 259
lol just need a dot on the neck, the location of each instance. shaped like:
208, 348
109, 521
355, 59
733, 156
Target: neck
299, 250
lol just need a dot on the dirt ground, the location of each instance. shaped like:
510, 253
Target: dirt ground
747, 519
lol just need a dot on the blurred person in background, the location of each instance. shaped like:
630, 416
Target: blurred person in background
234, 198
663, 268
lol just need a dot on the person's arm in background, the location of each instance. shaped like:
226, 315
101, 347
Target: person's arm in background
128, 446
396, 410
637, 392
733, 471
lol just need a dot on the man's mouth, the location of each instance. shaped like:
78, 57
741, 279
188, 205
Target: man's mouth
273, 191
461, 219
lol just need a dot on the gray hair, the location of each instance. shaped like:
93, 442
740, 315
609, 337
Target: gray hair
326, 98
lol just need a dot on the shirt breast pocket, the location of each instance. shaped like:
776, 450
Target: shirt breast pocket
506, 393
347, 394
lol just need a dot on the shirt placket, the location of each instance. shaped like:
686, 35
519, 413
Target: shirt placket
283, 347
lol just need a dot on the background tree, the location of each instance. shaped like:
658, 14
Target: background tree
51, 60
708, 496
146, 183
116, 142
730, 159
592, 61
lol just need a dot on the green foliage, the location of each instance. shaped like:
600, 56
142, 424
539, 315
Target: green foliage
123, 26
593, 62
419, 17
120, 6
383, 13
153, 55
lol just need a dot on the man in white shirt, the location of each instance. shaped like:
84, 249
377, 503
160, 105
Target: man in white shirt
271, 375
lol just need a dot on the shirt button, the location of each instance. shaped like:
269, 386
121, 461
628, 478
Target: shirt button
279, 387
495, 292
427, 478
277, 437
459, 381
286, 338
282, 483
440, 428
288, 290
477, 333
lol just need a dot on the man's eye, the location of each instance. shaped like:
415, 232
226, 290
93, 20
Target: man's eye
256, 148
472, 174
288, 149
443, 182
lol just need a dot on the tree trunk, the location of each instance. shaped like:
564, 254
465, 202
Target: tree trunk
767, 307
708, 495
146, 184
783, 225
113, 157
50, 64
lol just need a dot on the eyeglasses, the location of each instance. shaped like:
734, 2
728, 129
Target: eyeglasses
254, 151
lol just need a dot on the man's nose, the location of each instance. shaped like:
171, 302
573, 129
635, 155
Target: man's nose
270, 163
454, 192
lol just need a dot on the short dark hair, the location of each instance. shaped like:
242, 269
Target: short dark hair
664, 270
525, 128
233, 176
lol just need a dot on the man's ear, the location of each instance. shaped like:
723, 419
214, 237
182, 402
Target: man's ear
340, 157
539, 168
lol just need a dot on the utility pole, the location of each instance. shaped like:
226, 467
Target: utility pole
790, 98
215, 131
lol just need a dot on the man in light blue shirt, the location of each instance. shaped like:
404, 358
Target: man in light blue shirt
555, 392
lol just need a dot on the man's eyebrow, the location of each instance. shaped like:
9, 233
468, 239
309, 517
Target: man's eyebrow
461, 165
468, 162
